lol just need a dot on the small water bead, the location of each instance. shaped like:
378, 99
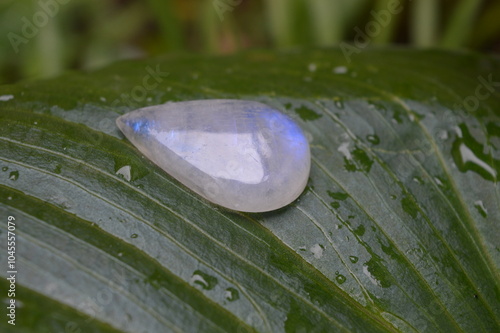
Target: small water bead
340, 70
134, 236
125, 172
353, 259
373, 139
205, 281
338, 103
480, 208
418, 180
14, 175
469, 155
340, 278
231, 294
241, 155
317, 250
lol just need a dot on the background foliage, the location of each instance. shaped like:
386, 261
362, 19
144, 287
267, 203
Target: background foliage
92, 33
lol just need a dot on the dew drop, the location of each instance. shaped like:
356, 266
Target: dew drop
438, 182
312, 67
340, 278
338, 103
442, 135
134, 236
360, 161
125, 172
418, 180
14, 175
469, 155
393, 197
340, 70
203, 280
317, 250
373, 139
344, 149
231, 294
353, 259
481, 209
5, 169
302, 248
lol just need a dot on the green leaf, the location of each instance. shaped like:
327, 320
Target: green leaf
397, 230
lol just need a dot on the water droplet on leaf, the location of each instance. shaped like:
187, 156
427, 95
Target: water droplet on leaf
480, 208
338, 103
14, 175
469, 155
203, 280
340, 278
373, 139
231, 294
125, 172
317, 250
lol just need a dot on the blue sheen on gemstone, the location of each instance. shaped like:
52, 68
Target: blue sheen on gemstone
141, 125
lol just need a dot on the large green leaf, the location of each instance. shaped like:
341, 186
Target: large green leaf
398, 229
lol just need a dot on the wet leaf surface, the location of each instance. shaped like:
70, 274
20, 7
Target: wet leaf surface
397, 230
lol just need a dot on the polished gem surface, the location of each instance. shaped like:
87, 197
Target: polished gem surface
241, 155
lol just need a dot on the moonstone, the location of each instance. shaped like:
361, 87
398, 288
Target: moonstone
241, 155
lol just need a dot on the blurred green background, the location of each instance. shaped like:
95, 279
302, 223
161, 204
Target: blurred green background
41, 38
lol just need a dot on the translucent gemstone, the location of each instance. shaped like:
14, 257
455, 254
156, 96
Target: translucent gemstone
241, 155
